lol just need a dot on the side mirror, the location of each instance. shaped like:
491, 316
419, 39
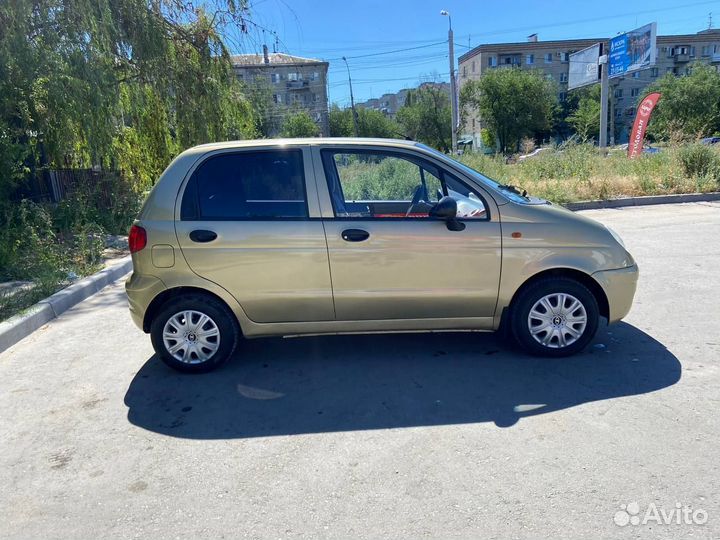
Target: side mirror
446, 209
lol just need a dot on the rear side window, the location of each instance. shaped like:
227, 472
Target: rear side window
247, 185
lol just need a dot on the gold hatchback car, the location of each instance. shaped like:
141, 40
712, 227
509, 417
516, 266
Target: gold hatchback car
325, 236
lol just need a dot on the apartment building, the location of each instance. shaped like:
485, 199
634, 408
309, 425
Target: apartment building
295, 82
389, 104
674, 55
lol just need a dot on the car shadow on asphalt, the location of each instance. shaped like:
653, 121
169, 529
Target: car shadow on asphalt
342, 383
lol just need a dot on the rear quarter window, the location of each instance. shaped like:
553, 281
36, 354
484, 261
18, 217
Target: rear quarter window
268, 184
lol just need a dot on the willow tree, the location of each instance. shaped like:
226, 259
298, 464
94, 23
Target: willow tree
118, 83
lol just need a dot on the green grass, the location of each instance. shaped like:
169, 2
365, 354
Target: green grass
581, 172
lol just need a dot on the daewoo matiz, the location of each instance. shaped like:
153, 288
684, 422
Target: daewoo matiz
318, 236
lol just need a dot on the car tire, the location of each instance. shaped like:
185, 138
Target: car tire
195, 333
554, 317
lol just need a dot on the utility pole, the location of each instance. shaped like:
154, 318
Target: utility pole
352, 100
604, 87
611, 92
453, 90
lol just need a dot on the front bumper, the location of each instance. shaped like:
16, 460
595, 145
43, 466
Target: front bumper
141, 290
619, 286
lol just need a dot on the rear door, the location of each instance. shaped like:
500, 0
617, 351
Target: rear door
388, 258
245, 224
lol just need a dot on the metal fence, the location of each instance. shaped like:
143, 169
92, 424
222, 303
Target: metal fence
54, 185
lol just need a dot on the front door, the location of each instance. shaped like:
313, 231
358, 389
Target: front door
388, 258
245, 225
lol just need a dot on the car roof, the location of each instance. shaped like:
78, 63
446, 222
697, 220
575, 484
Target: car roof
259, 143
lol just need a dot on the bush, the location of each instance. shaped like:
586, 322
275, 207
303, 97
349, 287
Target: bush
34, 248
699, 161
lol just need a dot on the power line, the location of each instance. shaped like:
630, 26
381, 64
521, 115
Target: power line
388, 52
589, 20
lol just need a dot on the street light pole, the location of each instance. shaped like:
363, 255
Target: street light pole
352, 100
453, 90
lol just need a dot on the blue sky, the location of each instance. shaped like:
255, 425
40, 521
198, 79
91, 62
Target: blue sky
370, 33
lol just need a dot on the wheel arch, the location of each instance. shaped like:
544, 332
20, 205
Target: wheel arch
168, 294
572, 273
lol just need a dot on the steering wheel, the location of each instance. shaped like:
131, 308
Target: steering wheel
417, 197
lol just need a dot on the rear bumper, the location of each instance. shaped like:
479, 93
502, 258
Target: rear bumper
141, 291
619, 286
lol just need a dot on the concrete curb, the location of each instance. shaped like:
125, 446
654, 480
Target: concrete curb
642, 201
21, 326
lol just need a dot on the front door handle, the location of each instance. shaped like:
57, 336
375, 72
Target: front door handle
201, 235
355, 235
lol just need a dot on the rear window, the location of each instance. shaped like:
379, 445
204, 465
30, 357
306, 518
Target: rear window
247, 185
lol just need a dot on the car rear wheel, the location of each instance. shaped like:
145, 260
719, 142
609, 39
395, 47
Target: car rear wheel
554, 317
194, 333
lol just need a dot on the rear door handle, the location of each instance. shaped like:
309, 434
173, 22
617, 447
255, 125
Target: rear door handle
201, 235
355, 235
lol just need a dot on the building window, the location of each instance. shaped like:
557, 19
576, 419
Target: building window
464, 71
294, 76
705, 51
654, 72
275, 78
530, 59
472, 68
634, 92
563, 77
548, 58
636, 75
277, 98
618, 92
692, 51
565, 57
492, 61
562, 96
315, 76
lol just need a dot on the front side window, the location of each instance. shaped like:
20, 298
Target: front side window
388, 185
246, 186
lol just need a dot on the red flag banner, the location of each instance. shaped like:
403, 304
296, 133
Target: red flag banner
642, 117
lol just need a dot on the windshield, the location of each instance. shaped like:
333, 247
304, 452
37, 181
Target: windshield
508, 191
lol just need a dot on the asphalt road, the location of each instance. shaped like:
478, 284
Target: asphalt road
448, 435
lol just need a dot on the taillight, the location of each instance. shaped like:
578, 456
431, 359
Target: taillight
137, 239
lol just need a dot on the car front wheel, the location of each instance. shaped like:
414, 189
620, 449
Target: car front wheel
194, 333
555, 317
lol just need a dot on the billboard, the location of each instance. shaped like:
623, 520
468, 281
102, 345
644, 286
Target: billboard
633, 51
584, 68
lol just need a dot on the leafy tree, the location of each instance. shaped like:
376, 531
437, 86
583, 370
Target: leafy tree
371, 123
122, 83
300, 124
513, 103
690, 105
267, 114
585, 119
426, 117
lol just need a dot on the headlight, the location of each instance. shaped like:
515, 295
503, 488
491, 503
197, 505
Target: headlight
616, 236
